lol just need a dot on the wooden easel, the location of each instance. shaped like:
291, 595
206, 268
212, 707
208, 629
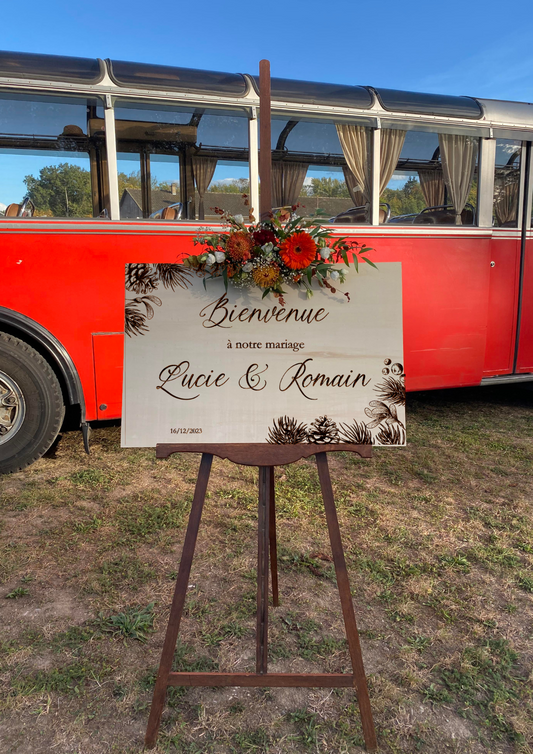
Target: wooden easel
264, 456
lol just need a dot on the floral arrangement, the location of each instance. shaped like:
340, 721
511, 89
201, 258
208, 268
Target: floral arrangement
285, 249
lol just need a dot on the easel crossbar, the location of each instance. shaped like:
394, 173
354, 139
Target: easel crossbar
263, 680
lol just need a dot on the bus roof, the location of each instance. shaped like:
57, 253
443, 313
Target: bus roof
88, 71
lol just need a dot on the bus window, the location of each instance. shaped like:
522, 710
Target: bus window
506, 183
49, 167
435, 178
310, 167
179, 163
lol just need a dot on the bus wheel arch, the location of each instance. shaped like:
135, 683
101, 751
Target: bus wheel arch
31, 404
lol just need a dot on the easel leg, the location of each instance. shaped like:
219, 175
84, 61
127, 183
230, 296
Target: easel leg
262, 569
343, 583
273, 542
182, 582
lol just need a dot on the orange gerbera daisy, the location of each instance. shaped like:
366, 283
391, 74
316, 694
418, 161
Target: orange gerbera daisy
298, 250
239, 245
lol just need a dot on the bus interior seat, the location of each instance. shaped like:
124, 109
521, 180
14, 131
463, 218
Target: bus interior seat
26, 209
169, 213
353, 215
359, 215
172, 212
444, 215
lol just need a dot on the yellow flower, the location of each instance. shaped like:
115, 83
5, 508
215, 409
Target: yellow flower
266, 275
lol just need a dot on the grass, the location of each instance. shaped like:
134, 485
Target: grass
439, 548
134, 623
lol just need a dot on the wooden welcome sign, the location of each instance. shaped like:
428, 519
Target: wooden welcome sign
264, 380
209, 365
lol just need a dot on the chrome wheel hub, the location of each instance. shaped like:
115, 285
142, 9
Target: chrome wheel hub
12, 408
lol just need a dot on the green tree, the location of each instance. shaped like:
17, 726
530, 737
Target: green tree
236, 186
61, 191
328, 187
133, 181
406, 200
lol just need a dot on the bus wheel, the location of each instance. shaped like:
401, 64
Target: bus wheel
31, 404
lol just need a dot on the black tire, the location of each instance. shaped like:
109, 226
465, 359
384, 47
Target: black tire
31, 404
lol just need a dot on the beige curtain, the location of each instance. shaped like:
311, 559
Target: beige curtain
432, 185
458, 155
392, 141
204, 170
355, 143
506, 199
287, 182
355, 192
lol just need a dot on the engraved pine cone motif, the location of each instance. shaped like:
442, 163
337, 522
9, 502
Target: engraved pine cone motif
323, 430
287, 431
356, 433
140, 278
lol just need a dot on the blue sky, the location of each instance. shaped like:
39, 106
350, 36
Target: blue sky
476, 48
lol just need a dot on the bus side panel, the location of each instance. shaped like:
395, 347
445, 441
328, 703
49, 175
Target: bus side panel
73, 285
525, 346
445, 301
503, 304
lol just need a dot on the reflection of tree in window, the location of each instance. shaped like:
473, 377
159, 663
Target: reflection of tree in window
62, 190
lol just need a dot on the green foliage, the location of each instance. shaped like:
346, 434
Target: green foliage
236, 186
134, 623
406, 200
186, 661
133, 181
126, 571
251, 741
327, 187
61, 191
525, 583
67, 680
485, 683
73, 638
142, 523
306, 723
20, 591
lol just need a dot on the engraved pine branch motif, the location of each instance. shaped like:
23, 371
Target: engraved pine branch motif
287, 431
135, 323
145, 279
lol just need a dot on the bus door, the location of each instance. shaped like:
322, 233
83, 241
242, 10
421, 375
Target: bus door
504, 262
524, 350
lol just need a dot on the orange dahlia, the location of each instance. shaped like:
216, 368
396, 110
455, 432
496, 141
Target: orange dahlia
298, 250
239, 245
266, 275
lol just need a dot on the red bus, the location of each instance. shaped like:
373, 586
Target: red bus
103, 163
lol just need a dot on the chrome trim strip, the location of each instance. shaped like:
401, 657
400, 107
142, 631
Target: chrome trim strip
505, 379
106, 227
